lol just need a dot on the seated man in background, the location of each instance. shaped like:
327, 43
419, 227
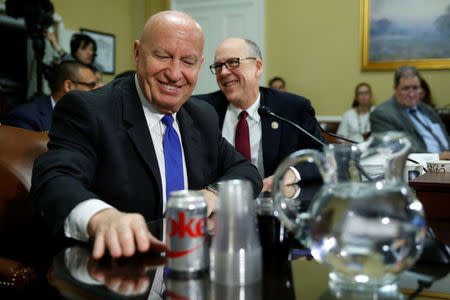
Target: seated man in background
62, 78
117, 152
277, 83
406, 113
238, 67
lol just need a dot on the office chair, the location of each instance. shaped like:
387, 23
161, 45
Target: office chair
18, 150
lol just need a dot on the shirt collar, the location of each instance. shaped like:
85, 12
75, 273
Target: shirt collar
252, 110
53, 102
154, 116
415, 107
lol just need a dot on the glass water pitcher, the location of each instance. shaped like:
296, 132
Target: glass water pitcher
366, 230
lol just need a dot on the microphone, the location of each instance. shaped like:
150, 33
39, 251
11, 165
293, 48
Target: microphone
264, 111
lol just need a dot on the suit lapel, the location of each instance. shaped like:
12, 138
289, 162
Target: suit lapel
138, 131
271, 135
190, 137
222, 105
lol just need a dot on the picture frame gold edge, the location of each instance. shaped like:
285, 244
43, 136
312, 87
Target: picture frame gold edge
366, 65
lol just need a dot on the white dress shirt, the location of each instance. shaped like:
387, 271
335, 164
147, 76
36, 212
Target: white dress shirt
254, 125
255, 130
75, 225
53, 102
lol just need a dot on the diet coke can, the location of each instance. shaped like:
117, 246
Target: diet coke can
187, 232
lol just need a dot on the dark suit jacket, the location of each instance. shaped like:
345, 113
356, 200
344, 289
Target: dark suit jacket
100, 147
391, 116
36, 115
279, 142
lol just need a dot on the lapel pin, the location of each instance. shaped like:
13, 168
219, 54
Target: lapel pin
274, 125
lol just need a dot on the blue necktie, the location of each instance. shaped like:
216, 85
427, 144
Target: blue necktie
413, 113
173, 158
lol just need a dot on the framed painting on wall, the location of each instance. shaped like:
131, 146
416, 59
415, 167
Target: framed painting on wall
105, 49
414, 32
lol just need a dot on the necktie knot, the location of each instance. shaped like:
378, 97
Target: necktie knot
243, 115
413, 110
167, 120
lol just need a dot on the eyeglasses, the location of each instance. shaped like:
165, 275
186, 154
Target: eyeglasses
90, 85
230, 64
407, 89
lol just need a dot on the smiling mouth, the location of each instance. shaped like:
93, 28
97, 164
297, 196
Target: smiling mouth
230, 83
170, 87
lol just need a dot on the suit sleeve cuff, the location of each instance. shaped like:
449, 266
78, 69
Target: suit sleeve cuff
297, 174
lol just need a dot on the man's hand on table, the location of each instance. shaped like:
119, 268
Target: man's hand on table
121, 233
211, 200
288, 179
125, 277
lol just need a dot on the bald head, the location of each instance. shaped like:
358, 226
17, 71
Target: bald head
250, 48
169, 20
168, 58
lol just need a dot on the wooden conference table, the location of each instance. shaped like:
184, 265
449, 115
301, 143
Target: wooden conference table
144, 276
433, 190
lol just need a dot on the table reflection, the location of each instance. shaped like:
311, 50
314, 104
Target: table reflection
134, 276
75, 273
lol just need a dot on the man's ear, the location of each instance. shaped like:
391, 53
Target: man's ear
67, 86
136, 51
259, 68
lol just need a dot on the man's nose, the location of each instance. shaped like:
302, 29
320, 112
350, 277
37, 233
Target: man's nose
174, 71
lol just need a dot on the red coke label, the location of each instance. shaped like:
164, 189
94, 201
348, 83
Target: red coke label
188, 227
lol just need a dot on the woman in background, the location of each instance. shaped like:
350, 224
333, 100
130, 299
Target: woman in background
355, 124
83, 48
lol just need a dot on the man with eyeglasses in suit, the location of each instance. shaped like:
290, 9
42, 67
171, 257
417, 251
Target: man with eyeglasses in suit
404, 112
62, 78
238, 67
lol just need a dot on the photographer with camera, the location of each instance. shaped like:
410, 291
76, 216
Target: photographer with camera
38, 16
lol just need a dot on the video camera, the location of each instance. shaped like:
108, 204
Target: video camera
38, 16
